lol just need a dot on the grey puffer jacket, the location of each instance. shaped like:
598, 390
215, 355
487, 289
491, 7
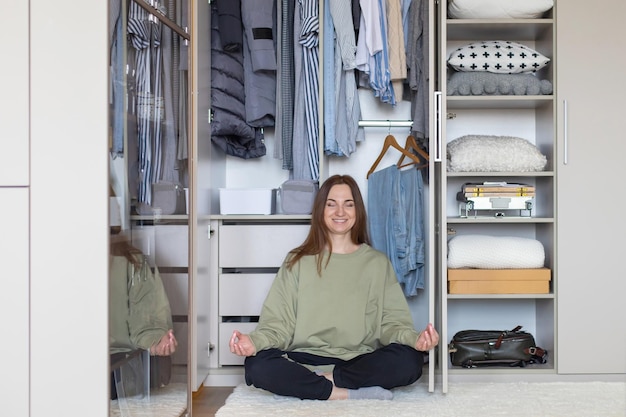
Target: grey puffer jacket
229, 130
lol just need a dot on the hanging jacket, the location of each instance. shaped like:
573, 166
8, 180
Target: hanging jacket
229, 130
259, 61
229, 12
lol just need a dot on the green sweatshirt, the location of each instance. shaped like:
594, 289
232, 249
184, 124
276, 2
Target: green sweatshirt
139, 311
355, 307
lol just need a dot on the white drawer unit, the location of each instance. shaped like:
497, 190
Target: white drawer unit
166, 245
226, 331
249, 253
258, 245
243, 294
171, 245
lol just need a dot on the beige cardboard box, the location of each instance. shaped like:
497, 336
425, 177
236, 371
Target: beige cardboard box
499, 281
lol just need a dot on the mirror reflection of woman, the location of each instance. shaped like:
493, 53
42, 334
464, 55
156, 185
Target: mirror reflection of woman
140, 317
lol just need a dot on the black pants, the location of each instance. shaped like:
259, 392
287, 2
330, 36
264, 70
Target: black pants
281, 372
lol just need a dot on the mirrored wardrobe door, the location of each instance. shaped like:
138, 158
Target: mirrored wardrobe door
149, 278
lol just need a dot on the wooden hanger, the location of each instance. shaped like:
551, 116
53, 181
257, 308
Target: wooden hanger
390, 142
411, 143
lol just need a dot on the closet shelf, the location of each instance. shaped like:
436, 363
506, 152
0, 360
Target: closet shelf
298, 218
503, 29
499, 220
500, 174
498, 102
533, 369
500, 296
162, 219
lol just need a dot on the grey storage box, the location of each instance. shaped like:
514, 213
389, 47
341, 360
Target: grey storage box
167, 198
296, 196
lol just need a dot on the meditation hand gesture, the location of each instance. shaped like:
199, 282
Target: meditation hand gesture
428, 339
166, 345
241, 344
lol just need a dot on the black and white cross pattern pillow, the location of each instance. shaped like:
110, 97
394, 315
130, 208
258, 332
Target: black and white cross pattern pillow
503, 57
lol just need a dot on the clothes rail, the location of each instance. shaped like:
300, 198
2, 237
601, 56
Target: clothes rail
385, 123
166, 20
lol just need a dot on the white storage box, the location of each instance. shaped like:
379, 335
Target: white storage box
247, 200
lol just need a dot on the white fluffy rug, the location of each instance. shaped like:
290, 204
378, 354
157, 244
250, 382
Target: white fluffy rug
169, 401
546, 399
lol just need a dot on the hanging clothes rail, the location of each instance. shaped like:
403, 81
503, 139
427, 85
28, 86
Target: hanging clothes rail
166, 20
385, 123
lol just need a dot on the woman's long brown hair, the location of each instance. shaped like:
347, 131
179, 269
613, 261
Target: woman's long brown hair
319, 236
121, 246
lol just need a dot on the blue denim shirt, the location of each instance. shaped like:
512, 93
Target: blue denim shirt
396, 223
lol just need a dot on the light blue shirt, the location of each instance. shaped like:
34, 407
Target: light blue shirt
396, 223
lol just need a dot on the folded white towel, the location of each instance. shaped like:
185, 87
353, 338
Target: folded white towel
495, 252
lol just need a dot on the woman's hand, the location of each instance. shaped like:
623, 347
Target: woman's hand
165, 346
240, 344
428, 339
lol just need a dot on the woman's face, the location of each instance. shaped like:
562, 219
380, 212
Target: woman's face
340, 212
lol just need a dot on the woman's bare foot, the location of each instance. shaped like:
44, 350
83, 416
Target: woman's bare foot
366, 393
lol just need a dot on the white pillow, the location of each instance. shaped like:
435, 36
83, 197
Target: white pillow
495, 252
502, 57
490, 153
498, 9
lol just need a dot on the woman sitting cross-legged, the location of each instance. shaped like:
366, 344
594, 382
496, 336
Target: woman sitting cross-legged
335, 324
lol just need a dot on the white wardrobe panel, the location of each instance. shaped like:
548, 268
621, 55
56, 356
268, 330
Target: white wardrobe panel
591, 283
14, 300
69, 208
14, 133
